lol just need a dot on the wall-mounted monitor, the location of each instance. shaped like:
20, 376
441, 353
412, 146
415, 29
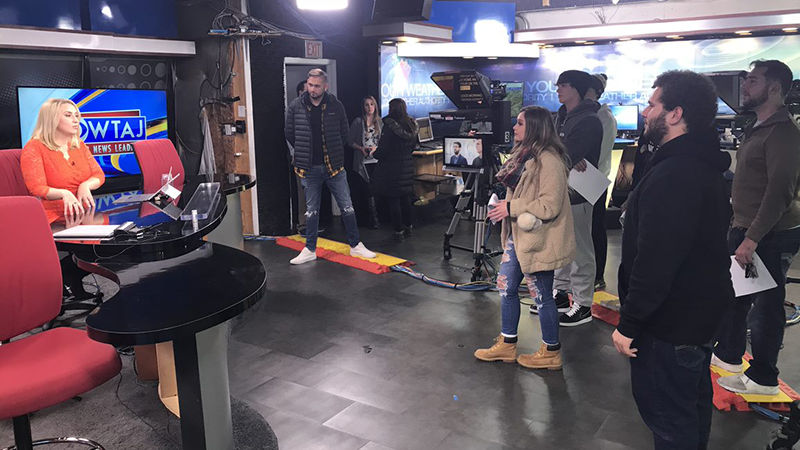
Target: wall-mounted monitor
425, 132
111, 121
627, 116
460, 153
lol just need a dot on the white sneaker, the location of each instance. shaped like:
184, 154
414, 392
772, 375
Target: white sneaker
743, 385
732, 368
361, 251
305, 256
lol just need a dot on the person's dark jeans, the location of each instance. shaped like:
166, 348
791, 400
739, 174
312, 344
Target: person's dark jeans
599, 236
400, 211
767, 316
672, 388
315, 178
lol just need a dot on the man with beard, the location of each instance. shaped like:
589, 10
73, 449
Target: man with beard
457, 159
674, 275
316, 130
766, 220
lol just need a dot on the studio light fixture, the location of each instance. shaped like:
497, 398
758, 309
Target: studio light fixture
466, 49
743, 32
789, 30
321, 5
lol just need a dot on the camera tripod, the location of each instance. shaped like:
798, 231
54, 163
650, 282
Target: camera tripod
479, 195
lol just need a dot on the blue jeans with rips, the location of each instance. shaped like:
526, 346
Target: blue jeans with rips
312, 184
540, 285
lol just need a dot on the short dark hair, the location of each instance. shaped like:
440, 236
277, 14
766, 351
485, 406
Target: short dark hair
693, 92
457, 143
775, 71
301, 86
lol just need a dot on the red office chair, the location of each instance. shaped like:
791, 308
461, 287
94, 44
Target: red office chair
11, 181
156, 157
47, 368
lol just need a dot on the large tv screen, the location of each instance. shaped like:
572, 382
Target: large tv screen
111, 121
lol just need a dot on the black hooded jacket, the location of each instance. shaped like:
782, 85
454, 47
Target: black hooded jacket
674, 276
394, 176
582, 133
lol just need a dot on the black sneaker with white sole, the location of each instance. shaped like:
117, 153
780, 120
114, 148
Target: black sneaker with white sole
562, 303
575, 316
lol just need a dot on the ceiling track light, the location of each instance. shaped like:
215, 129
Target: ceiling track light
321, 5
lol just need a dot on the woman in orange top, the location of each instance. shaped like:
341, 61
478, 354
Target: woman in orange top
56, 165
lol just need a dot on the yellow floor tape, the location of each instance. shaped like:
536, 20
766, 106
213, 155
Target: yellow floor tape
344, 249
781, 397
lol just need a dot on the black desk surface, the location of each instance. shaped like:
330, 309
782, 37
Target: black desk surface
165, 300
164, 237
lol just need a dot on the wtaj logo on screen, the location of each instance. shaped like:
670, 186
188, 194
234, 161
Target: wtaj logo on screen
113, 126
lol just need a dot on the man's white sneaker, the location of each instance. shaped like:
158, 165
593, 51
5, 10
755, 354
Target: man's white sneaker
732, 368
743, 385
305, 256
361, 251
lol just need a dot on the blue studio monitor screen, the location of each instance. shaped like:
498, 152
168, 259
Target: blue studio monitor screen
627, 116
111, 121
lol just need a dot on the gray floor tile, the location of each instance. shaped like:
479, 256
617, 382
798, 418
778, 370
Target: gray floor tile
386, 428
307, 402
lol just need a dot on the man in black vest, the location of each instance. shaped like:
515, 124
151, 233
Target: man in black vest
316, 131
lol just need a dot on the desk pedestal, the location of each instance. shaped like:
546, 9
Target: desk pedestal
229, 231
201, 367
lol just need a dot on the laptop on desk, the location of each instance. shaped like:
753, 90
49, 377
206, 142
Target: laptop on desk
167, 189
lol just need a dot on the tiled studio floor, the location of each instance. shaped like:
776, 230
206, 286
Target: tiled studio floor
336, 358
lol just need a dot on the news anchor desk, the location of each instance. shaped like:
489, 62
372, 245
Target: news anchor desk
174, 286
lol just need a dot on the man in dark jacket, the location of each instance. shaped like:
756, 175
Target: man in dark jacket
316, 131
766, 217
582, 133
674, 276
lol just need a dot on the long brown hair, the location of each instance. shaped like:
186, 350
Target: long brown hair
398, 112
376, 115
540, 135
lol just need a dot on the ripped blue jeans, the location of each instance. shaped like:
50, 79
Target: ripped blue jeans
540, 286
312, 184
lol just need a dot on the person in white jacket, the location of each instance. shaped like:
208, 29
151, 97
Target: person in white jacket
599, 237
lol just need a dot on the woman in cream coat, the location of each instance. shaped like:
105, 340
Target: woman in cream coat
537, 235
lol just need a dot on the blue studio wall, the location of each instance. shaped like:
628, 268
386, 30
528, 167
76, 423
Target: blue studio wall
154, 18
463, 17
631, 66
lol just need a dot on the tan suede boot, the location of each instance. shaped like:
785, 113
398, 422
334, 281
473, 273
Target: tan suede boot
500, 351
542, 359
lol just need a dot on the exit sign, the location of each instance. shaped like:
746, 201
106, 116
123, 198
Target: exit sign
314, 49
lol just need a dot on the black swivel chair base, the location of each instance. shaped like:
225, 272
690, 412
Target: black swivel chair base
24, 441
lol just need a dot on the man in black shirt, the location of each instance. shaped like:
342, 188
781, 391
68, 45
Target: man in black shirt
674, 276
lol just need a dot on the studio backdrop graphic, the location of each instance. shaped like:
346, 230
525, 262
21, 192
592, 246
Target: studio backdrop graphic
111, 120
631, 66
